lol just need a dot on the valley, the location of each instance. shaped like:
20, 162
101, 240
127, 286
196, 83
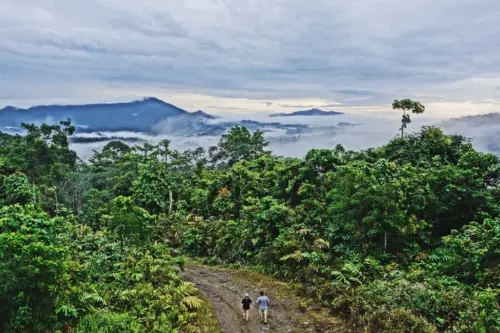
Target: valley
293, 134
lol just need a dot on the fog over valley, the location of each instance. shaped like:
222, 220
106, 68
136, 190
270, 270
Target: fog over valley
292, 134
355, 133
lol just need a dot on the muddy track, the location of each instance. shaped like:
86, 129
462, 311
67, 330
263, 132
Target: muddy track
225, 289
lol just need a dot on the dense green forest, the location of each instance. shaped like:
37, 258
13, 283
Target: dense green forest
402, 238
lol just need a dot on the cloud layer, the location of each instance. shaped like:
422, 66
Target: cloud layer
253, 55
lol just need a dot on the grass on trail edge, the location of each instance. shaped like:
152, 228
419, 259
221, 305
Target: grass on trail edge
206, 319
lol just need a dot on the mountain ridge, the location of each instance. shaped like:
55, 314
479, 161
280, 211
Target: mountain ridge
140, 115
203, 114
310, 112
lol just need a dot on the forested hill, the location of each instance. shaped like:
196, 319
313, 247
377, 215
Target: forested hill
402, 238
138, 116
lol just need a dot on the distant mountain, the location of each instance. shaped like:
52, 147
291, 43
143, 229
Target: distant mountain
104, 122
138, 116
475, 121
80, 139
484, 130
312, 112
202, 114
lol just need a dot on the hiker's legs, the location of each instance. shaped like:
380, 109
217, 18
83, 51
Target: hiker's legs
246, 315
265, 316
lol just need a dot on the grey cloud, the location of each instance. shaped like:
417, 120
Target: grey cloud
224, 107
355, 92
485, 102
257, 49
330, 105
296, 106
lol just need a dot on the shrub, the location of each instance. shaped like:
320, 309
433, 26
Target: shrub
108, 322
398, 321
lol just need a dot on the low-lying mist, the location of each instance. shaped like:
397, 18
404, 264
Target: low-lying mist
353, 132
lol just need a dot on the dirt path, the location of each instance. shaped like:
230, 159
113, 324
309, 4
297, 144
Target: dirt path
225, 289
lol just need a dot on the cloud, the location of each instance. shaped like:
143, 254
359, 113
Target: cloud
355, 93
267, 103
358, 54
296, 106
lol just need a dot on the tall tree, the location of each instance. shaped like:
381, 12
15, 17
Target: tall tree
407, 105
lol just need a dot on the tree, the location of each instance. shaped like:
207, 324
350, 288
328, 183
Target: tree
373, 208
473, 248
115, 168
153, 187
18, 189
34, 267
95, 206
238, 144
131, 223
407, 105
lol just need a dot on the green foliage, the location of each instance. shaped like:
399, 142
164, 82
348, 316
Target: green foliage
130, 223
153, 186
402, 238
450, 307
129, 286
96, 204
108, 322
34, 267
398, 321
362, 231
474, 249
97, 272
17, 189
238, 144
42, 154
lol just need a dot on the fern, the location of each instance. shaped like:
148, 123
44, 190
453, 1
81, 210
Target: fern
193, 302
93, 297
297, 256
68, 310
304, 231
137, 276
321, 243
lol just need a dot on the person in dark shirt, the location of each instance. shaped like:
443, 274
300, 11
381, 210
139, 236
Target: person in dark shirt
246, 305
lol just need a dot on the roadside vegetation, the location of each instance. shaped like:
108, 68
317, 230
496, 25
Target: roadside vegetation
400, 238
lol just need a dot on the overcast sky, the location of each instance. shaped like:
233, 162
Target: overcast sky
237, 56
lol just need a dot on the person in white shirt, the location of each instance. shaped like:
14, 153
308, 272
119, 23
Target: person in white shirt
263, 303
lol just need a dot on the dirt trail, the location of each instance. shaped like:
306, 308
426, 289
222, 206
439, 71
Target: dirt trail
225, 289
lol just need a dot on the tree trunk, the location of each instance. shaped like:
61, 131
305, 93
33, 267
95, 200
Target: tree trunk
121, 245
402, 133
403, 124
34, 194
170, 202
55, 197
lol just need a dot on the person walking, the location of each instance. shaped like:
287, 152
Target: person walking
246, 305
263, 303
